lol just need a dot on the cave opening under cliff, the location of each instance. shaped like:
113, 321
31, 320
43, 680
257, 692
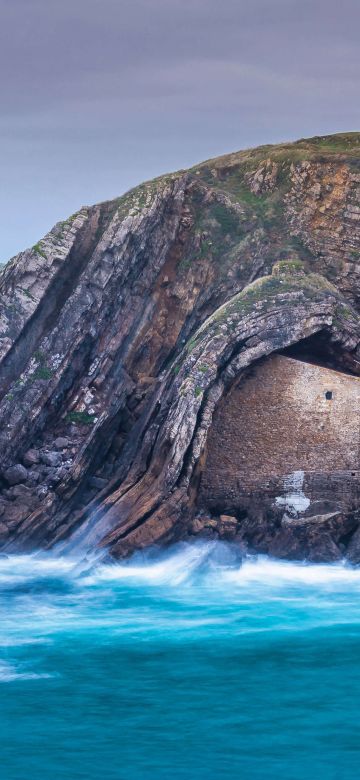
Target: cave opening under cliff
291, 418
320, 351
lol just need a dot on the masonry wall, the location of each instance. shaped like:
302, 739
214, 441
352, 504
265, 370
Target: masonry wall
280, 420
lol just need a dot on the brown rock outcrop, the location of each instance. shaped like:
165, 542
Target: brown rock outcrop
121, 331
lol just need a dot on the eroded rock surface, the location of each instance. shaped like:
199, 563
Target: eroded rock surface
122, 329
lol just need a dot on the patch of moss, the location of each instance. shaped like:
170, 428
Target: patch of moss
243, 194
346, 313
197, 391
42, 372
263, 291
39, 356
141, 196
186, 263
227, 220
289, 266
28, 293
82, 418
37, 248
192, 344
229, 174
341, 143
71, 219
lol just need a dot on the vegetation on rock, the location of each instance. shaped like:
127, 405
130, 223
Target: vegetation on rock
142, 311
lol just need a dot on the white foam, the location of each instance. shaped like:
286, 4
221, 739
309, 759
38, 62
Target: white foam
191, 564
208, 584
283, 573
173, 568
9, 673
17, 641
17, 569
215, 562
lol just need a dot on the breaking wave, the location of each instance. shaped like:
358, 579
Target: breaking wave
211, 563
197, 584
243, 661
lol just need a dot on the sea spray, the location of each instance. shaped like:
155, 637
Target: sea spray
184, 663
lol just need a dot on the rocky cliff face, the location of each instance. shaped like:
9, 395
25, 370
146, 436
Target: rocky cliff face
122, 329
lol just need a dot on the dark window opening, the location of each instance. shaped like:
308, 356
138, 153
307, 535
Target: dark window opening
328, 395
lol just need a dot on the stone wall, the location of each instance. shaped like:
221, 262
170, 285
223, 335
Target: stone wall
288, 429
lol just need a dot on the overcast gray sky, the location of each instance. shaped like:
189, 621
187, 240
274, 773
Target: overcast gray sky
98, 95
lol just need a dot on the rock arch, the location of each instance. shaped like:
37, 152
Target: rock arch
158, 497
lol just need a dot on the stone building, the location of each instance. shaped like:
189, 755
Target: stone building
286, 435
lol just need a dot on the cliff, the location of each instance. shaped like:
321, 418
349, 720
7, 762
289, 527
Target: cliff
123, 328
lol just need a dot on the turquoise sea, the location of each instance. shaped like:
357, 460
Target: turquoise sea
180, 664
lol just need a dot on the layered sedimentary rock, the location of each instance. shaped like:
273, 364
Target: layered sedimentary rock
124, 331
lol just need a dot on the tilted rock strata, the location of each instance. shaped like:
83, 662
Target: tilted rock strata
122, 328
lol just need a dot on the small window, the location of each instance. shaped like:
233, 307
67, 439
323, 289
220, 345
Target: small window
328, 395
